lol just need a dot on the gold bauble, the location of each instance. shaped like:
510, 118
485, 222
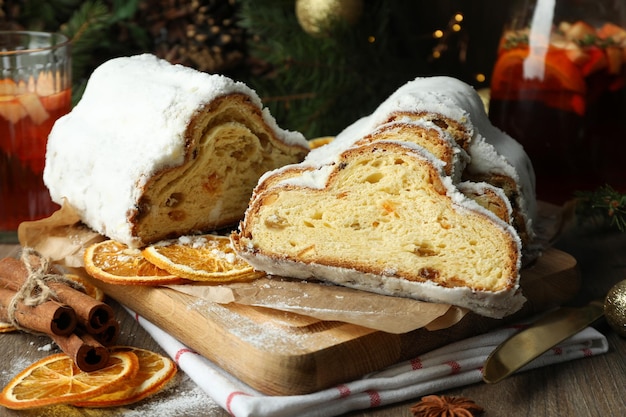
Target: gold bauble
615, 308
318, 16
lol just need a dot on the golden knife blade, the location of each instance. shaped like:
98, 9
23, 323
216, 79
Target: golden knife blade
538, 338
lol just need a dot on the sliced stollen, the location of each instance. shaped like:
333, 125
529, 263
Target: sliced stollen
384, 217
155, 150
490, 197
426, 134
454, 106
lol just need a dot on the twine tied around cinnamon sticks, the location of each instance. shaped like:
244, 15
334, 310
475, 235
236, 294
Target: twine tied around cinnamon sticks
35, 290
37, 298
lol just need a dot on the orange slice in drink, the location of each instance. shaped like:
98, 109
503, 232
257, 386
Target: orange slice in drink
11, 109
559, 73
155, 371
57, 380
201, 258
8, 87
57, 100
613, 31
37, 112
509, 81
116, 263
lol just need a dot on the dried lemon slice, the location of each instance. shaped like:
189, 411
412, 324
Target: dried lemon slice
56, 379
115, 263
206, 257
155, 371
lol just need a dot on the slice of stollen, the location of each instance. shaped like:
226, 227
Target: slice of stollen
426, 134
385, 218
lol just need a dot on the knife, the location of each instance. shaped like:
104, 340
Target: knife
538, 338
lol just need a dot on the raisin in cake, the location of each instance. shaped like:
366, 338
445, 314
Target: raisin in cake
155, 150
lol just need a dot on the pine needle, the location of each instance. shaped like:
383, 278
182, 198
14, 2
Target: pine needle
605, 205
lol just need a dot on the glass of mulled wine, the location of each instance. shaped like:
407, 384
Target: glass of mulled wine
35, 90
559, 87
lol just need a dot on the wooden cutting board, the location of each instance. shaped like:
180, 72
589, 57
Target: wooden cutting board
281, 353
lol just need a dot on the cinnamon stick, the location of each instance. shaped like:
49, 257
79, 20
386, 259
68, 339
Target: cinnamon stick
109, 336
50, 317
92, 314
88, 354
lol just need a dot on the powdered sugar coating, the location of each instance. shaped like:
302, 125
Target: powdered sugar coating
490, 149
509, 158
120, 150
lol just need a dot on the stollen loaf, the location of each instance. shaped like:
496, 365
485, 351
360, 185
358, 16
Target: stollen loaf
422, 198
155, 150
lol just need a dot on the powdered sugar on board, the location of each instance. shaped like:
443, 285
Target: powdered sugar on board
260, 331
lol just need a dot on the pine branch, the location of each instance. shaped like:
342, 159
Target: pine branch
88, 19
337, 78
82, 28
41, 15
94, 29
602, 205
303, 76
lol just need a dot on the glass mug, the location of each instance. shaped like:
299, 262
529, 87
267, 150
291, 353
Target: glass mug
559, 87
35, 90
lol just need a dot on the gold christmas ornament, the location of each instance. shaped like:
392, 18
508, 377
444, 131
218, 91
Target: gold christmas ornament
317, 17
615, 308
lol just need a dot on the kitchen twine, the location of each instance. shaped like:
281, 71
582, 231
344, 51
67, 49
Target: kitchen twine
35, 290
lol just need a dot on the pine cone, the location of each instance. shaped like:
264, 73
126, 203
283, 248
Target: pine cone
9, 13
202, 34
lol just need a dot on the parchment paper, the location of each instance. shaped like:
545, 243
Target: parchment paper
61, 237
332, 303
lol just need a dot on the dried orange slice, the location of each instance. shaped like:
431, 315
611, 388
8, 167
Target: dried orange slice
155, 371
56, 379
7, 327
206, 257
90, 290
116, 263
321, 141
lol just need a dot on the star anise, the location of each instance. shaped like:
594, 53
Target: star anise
445, 406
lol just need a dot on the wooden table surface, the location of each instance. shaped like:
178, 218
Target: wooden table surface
586, 387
